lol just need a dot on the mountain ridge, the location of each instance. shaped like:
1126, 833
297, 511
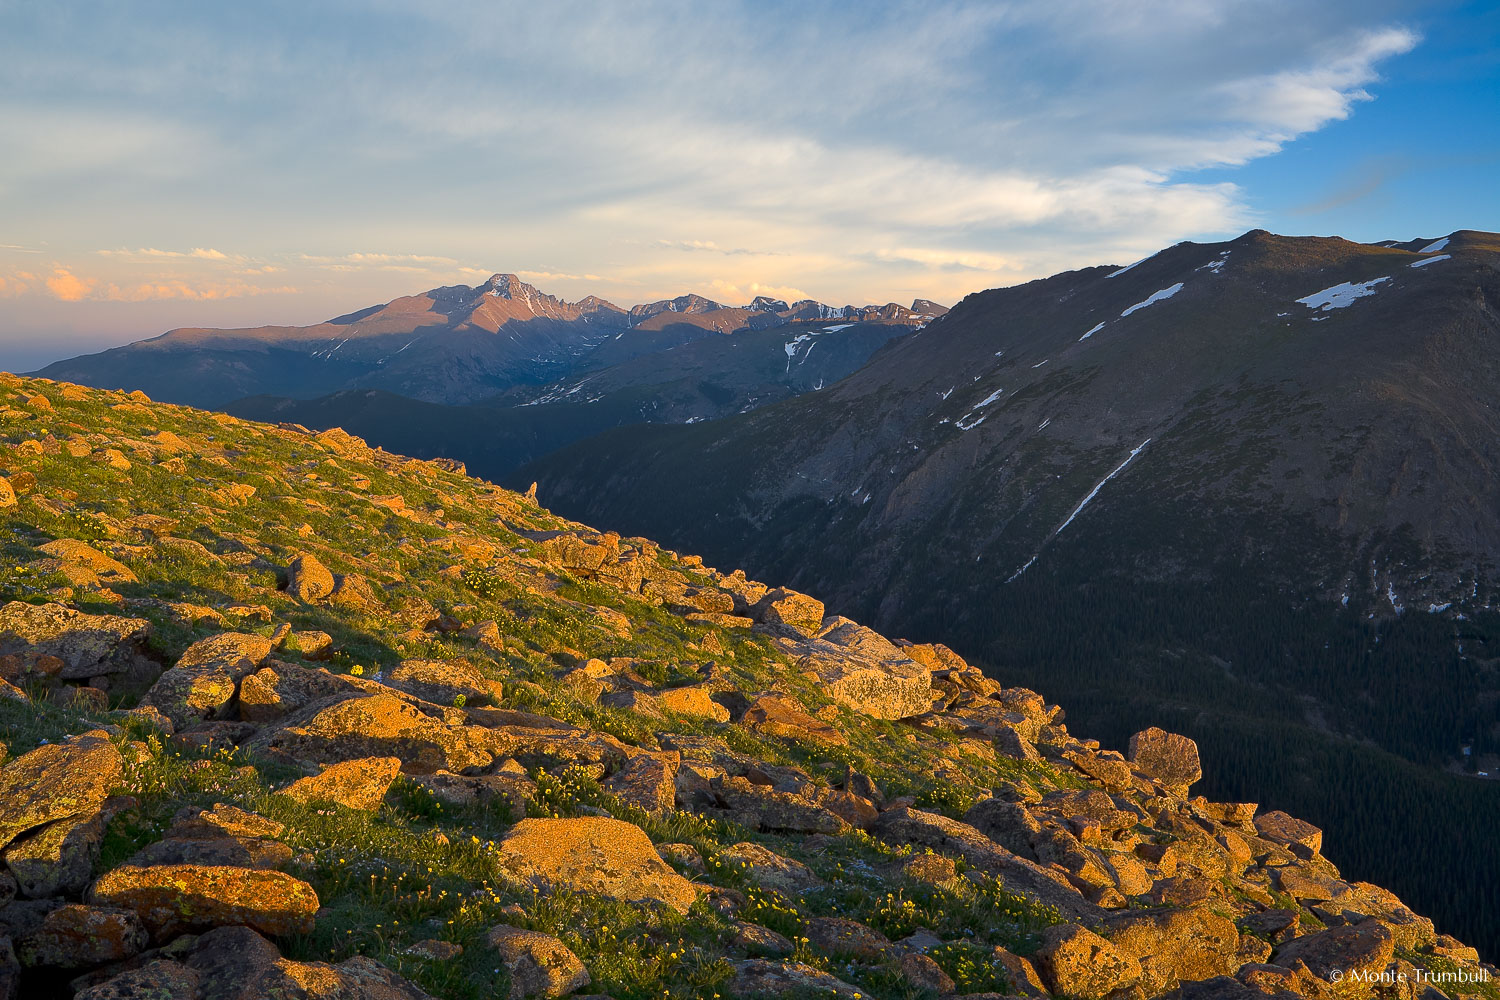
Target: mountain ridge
469, 343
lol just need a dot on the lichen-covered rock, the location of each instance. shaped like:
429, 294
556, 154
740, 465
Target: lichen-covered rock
777, 716
1279, 828
923, 973
539, 964
376, 725
787, 607
442, 681
308, 580
87, 645
924, 829
278, 689
1175, 946
236, 963
76, 936
57, 859
648, 780
606, 857
202, 684
839, 936
83, 564
354, 784
770, 870
1167, 757
180, 899
1366, 947
157, 980
694, 702
1076, 962
57, 782
766, 977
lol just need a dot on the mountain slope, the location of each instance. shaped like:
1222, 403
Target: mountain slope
284, 701
1246, 486
704, 378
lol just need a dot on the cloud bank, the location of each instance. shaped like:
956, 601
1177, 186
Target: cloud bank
339, 153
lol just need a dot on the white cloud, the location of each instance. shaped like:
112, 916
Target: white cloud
857, 151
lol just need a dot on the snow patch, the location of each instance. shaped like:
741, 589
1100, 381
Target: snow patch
1116, 274
1041, 362
1341, 295
1433, 609
970, 425
836, 329
1095, 330
1435, 246
986, 401
1432, 260
1165, 293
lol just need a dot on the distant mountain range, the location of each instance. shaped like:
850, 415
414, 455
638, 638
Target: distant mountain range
455, 345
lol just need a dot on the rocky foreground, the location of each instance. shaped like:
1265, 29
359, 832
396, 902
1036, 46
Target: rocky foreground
286, 716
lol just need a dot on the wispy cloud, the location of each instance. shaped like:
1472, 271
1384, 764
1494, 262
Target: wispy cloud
862, 152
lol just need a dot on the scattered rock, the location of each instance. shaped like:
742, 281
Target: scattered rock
308, 580
766, 977
1366, 947
839, 936
777, 716
87, 645
57, 782
592, 854
1166, 757
1280, 828
76, 936
923, 973
202, 684
354, 784
1076, 962
539, 965
178, 899
770, 870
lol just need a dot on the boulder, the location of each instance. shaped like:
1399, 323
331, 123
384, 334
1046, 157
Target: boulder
202, 684
1175, 946
308, 580
57, 859
157, 980
1279, 828
1166, 757
648, 780
76, 936
441, 681
1366, 947
695, 702
923, 829
787, 607
860, 669
767, 977
593, 854
85, 565
841, 937
355, 784
57, 782
181, 899
770, 870
278, 689
236, 963
777, 716
1008, 824
539, 964
922, 973
1076, 962
377, 725
7, 494
87, 645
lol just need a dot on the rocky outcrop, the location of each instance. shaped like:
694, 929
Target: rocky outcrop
539, 965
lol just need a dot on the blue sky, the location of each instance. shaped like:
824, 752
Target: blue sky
184, 164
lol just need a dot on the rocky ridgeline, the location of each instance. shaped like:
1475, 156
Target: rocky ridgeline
289, 716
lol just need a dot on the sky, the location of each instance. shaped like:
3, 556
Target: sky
168, 164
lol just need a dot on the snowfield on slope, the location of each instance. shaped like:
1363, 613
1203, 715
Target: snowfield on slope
1341, 295
1165, 293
